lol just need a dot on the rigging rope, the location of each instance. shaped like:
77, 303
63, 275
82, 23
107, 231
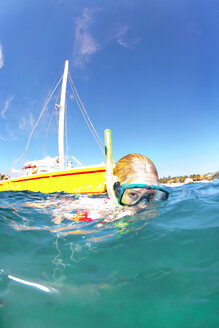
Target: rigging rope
51, 117
81, 108
50, 120
85, 115
38, 120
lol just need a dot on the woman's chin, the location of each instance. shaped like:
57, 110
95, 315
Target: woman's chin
136, 209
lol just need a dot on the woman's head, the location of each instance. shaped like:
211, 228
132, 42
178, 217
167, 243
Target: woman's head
136, 168
137, 183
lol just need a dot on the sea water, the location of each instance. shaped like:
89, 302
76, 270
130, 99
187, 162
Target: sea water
159, 268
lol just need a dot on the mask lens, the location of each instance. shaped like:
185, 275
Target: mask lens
133, 196
160, 195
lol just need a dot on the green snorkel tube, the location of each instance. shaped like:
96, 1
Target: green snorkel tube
110, 179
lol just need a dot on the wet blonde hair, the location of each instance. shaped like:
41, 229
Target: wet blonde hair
136, 168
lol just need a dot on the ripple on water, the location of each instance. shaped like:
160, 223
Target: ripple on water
156, 269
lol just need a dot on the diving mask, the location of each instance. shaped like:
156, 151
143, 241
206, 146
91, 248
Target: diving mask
133, 194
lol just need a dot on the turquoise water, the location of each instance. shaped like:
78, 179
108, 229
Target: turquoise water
156, 269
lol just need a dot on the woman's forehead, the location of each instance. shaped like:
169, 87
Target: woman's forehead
139, 178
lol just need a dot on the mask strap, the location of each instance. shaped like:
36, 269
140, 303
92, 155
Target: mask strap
117, 188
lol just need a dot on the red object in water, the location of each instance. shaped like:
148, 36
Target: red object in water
82, 216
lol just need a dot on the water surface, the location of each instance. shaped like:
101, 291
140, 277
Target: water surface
156, 269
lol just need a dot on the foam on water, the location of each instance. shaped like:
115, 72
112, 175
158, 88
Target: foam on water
159, 268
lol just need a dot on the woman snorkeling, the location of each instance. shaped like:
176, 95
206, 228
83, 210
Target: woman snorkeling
135, 187
138, 183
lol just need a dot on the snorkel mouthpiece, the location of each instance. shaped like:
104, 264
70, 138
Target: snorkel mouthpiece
133, 194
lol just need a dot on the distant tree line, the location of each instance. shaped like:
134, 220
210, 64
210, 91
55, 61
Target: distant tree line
194, 177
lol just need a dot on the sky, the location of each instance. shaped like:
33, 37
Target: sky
146, 69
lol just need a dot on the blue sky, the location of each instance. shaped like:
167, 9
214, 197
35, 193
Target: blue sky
146, 69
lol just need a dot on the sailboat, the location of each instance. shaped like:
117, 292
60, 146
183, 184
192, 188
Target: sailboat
56, 175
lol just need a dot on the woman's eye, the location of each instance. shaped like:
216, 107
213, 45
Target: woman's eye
133, 195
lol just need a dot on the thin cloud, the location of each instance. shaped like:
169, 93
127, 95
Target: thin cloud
119, 31
127, 44
10, 133
2, 138
6, 106
1, 57
85, 44
26, 123
120, 35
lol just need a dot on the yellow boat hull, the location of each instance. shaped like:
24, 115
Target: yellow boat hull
85, 180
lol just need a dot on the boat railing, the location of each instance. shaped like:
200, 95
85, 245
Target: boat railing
70, 160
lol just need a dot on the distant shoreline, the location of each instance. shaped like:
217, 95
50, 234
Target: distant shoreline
179, 180
178, 184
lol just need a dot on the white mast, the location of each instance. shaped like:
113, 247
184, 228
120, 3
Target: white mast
61, 117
